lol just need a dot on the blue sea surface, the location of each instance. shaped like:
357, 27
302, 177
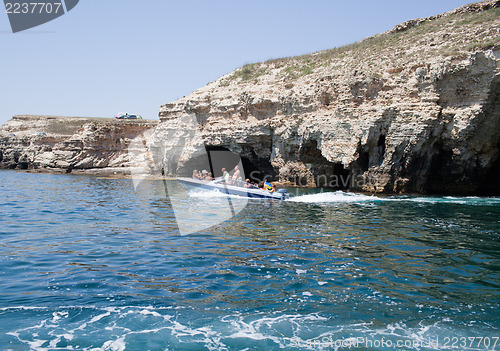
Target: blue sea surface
97, 264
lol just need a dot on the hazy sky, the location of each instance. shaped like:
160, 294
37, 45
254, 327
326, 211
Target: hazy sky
110, 56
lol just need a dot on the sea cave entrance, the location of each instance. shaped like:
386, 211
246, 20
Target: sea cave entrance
325, 174
490, 186
217, 157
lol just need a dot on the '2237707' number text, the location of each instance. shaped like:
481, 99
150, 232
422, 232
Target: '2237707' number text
33, 7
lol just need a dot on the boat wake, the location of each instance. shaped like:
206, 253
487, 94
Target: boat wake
338, 196
345, 197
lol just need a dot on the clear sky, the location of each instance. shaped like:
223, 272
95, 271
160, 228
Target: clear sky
110, 56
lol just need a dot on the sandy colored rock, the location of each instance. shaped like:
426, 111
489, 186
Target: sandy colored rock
415, 109
70, 144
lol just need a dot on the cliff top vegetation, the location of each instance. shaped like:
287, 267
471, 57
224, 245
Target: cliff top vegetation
454, 34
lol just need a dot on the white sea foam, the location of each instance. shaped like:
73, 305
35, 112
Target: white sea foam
148, 311
261, 328
466, 200
348, 197
59, 315
94, 319
282, 330
114, 345
26, 308
337, 196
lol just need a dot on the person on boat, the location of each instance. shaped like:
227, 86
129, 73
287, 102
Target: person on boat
195, 174
225, 174
268, 186
248, 184
236, 175
209, 176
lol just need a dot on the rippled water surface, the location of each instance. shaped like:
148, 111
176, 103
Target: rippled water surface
92, 264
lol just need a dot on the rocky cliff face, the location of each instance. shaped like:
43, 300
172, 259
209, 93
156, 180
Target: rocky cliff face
415, 109
70, 144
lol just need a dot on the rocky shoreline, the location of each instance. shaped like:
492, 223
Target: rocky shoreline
80, 145
412, 110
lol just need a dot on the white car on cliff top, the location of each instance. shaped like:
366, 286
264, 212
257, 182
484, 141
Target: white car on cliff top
127, 116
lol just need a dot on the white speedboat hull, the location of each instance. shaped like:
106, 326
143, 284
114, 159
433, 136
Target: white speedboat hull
282, 194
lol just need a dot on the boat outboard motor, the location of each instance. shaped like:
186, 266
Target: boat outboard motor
284, 194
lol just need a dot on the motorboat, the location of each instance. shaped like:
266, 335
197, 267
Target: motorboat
239, 188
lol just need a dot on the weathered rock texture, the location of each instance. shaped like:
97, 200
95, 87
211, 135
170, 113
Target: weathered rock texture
70, 144
415, 109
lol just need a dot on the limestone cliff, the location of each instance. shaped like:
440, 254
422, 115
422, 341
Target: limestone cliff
69, 144
415, 109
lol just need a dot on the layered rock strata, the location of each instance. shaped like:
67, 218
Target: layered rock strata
415, 109
70, 144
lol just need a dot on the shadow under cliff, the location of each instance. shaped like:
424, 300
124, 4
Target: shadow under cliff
470, 166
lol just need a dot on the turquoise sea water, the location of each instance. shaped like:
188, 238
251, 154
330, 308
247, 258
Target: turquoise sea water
92, 264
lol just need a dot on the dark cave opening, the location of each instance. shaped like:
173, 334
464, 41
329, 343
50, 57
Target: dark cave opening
309, 152
381, 146
371, 154
439, 176
444, 179
490, 185
364, 160
341, 178
326, 174
23, 163
449, 174
218, 157
254, 167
